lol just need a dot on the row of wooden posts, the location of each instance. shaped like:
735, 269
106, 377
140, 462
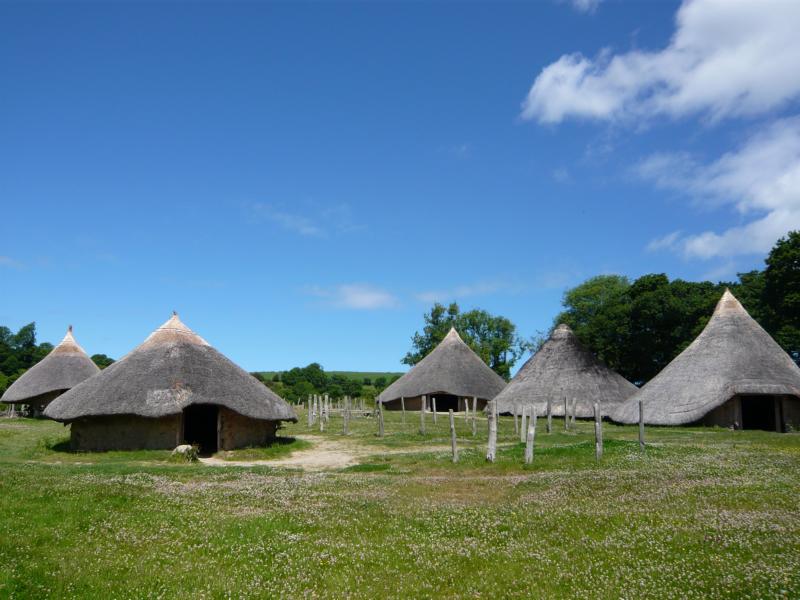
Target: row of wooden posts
320, 408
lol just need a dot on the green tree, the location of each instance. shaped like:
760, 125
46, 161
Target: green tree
782, 292
101, 360
493, 338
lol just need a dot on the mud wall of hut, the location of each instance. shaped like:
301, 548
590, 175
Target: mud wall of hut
238, 431
125, 432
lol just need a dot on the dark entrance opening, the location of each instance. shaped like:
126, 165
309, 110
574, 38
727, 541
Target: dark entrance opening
445, 402
758, 412
200, 426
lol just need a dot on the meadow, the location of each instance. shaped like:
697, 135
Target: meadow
702, 513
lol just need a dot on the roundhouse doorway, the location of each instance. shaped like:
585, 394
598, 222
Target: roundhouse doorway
200, 426
445, 402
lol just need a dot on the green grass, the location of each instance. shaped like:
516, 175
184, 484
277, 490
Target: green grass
703, 513
282, 446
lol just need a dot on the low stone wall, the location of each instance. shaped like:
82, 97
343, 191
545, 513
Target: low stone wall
125, 432
238, 431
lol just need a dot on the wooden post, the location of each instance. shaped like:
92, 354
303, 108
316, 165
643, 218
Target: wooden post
566, 415
523, 430
641, 425
321, 419
492, 421
530, 437
346, 416
574, 409
549, 415
453, 436
380, 419
433, 406
310, 412
598, 433
516, 426
474, 415
403, 408
422, 415
466, 409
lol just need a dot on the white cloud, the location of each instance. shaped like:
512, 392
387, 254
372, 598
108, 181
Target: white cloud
461, 291
356, 296
760, 180
561, 174
726, 58
289, 221
7, 261
585, 6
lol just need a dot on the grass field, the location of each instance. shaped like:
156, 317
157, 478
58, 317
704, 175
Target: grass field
703, 513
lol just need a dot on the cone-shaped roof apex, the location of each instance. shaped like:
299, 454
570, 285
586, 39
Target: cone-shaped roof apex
173, 331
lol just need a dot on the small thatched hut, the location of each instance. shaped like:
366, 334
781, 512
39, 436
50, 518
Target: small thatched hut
452, 374
733, 375
66, 366
564, 368
173, 389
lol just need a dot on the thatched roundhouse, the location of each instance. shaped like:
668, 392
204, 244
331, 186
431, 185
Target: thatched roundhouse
451, 373
733, 375
564, 368
173, 389
66, 366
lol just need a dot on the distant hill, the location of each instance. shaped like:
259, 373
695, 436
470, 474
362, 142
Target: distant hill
353, 375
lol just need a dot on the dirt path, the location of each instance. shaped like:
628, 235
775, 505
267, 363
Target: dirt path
326, 453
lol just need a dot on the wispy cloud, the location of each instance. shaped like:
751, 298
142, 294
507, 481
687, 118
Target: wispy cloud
462, 291
561, 174
760, 181
11, 263
315, 222
724, 59
293, 222
355, 296
585, 6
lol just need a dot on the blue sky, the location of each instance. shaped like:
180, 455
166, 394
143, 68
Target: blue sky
301, 181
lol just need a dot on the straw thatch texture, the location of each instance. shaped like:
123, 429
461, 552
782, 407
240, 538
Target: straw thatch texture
564, 367
732, 356
171, 370
451, 368
66, 366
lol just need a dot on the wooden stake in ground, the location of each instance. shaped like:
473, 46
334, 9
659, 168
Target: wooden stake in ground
403, 408
566, 415
549, 415
346, 416
598, 433
380, 419
530, 437
523, 431
433, 406
516, 427
474, 415
492, 421
453, 436
321, 418
422, 415
641, 425
310, 414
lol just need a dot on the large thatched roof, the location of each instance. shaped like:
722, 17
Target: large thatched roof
564, 367
451, 368
172, 369
66, 366
733, 355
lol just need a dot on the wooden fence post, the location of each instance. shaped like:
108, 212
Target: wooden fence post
549, 415
453, 436
403, 408
598, 433
422, 415
433, 406
566, 415
346, 416
530, 437
474, 415
516, 426
641, 425
492, 421
523, 430
380, 419
320, 415
310, 412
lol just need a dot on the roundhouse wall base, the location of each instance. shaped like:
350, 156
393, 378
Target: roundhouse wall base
125, 432
415, 403
238, 431
786, 411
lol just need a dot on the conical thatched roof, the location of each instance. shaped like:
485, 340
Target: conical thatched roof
451, 368
564, 367
733, 355
171, 370
66, 366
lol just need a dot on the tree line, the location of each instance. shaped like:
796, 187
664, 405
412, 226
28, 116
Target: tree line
637, 327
